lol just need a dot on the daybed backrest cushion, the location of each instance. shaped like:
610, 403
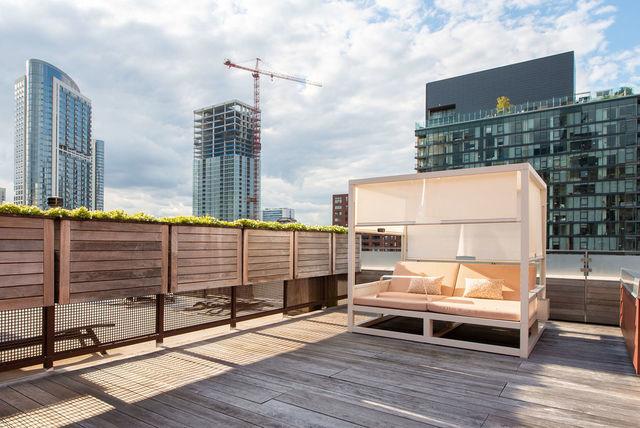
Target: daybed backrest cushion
448, 270
510, 274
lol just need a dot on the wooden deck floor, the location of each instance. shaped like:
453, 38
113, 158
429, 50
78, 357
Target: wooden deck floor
308, 371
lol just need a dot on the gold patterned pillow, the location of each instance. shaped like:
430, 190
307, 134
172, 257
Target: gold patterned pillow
426, 285
483, 288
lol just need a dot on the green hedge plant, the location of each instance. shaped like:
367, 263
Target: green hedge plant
83, 213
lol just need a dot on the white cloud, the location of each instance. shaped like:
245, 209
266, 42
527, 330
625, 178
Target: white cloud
147, 65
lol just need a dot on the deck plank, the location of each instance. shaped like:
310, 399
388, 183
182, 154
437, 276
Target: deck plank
308, 370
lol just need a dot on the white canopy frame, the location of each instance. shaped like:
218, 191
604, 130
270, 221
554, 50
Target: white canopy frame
496, 214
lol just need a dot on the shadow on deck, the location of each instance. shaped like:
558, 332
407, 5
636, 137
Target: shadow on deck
308, 370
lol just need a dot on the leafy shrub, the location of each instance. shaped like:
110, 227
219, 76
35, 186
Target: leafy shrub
83, 213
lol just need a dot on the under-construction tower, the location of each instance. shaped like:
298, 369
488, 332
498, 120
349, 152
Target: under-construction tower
256, 121
225, 167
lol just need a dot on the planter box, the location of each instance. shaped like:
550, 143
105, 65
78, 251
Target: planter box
267, 256
340, 253
205, 257
313, 254
26, 262
103, 259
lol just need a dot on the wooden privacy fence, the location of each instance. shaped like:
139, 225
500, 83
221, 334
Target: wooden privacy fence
26, 262
313, 254
205, 257
102, 259
341, 253
268, 255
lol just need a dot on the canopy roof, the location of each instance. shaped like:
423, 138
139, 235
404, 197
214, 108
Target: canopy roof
468, 214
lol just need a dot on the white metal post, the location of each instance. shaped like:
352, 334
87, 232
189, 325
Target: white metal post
524, 263
351, 256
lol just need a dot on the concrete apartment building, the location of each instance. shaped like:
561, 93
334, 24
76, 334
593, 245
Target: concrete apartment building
3, 195
223, 162
381, 241
53, 144
275, 214
585, 146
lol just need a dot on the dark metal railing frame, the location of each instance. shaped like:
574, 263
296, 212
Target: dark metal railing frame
48, 355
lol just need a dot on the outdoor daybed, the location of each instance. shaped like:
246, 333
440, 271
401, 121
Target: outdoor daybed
472, 253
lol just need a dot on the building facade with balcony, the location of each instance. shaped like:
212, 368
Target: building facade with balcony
224, 162
53, 150
585, 146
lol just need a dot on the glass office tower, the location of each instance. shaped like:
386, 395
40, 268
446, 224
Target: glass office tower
223, 162
585, 147
52, 138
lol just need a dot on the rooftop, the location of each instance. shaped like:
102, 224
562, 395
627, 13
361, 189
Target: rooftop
528, 107
309, 369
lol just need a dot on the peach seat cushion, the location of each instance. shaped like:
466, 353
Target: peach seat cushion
397, 300
448, 271
508, 310
479, 308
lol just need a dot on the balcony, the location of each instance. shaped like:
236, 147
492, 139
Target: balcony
528, 107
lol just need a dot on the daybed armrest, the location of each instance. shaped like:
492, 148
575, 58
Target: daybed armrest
369, 288
535, 292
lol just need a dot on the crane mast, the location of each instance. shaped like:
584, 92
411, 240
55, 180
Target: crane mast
256, 120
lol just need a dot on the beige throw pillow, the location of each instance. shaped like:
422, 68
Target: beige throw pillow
483, 288
426, 285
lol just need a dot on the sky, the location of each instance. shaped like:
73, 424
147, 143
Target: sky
147, 64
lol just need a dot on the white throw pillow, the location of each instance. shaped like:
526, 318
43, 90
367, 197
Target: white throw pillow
483, 288
426, 285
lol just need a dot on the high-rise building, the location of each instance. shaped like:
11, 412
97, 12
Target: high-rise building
380, 241
585, 146
52, 138
275, 214
223, 162
97, 174
3, 195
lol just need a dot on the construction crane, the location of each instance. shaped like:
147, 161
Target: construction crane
256, 119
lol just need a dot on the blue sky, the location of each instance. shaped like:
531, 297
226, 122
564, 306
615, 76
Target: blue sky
147, 64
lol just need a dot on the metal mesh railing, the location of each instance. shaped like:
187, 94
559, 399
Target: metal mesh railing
20, 334
87, 327
254, 299
92, 324
192, 308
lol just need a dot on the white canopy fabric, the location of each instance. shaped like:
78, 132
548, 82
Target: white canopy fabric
468, 216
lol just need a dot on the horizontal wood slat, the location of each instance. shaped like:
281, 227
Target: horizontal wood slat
316, 248
26, 262
579, 300
205, 257
268, 255
341, 253
108, 259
